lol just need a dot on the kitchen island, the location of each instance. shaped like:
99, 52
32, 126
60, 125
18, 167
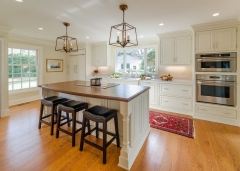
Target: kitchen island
131, 101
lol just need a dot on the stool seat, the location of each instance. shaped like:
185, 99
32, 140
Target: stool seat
100, 111
72, 105
54, 100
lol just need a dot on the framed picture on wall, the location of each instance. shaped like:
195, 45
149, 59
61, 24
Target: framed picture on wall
54, 65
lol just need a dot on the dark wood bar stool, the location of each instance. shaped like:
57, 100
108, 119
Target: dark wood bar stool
52, 102
102, 115
73, 107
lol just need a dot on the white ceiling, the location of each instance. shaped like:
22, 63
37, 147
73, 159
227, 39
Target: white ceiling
94, 18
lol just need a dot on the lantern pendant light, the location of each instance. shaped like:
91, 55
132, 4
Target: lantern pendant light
122, 31
66, 43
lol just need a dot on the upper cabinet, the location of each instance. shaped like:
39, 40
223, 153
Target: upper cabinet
176, 48
219, 40
99, 55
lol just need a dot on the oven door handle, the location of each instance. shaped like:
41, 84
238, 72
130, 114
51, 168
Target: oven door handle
214, 59
215, 83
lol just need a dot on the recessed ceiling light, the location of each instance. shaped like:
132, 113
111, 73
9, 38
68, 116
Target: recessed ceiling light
216, 14
19, 0
141, 36
87, 37
161, 24
40, 28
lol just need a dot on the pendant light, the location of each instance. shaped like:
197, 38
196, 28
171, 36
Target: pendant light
66, 43
122, 33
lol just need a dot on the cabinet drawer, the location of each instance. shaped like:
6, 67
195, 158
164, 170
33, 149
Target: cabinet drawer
175, 102
225, 113
176, 90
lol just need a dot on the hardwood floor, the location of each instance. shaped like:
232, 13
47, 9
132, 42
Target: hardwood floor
24, 147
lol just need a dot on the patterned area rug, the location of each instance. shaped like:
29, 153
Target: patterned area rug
170, 123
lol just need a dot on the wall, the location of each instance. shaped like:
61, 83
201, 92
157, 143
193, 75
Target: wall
48, 52
175, 71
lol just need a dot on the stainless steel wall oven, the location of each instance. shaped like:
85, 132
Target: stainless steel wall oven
218, 89
221, 62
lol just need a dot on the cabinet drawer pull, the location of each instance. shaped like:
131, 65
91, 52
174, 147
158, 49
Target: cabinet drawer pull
185, 90
166, 101
203, 109
165, 88
184, 103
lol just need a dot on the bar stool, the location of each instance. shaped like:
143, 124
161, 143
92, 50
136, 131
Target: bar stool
73, 107
52, 102
102, 115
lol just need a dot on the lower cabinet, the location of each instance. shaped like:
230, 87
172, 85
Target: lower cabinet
175, 102
152, 92
217, 112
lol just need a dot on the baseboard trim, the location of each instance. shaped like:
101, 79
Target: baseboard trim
5, 113
234, 122
24, 100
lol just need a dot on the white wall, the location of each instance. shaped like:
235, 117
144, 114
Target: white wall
175, 71
48, 52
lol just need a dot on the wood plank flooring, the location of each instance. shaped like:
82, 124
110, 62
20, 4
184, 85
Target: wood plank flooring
23, 147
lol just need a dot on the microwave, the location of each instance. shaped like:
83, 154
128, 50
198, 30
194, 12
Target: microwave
216, 62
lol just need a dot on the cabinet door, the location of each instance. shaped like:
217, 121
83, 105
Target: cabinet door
152, 92
72, 65
205, 41
183, 50
167, 51
99, 56
225, 39
174, 102
81, 67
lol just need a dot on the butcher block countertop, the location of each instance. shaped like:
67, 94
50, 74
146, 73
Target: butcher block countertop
119, 92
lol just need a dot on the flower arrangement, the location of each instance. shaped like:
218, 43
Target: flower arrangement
95, 71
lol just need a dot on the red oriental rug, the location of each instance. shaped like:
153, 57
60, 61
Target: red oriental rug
170, 123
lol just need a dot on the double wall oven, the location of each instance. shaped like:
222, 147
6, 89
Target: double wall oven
216, 88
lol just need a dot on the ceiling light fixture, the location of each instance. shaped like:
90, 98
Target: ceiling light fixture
161, 24
123, 30
40, 28
216, 14
19, 0
67, 44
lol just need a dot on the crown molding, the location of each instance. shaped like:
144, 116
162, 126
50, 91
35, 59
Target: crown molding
216, 25
30, 40
5, 29
176, 34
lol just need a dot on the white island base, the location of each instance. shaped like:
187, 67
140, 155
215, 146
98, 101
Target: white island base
133, 118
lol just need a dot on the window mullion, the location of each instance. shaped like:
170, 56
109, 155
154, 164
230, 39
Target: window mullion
145, 60
124, 61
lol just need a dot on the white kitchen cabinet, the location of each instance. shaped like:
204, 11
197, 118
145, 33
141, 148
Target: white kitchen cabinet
183, 50
205, 41
167, 51
175, 102
220, 40
153, 95
176, 90
77, 66
176, 51
99, 56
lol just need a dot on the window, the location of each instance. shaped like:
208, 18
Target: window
142, 60
22, 68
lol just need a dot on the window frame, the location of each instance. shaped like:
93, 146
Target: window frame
145, 57
39, 66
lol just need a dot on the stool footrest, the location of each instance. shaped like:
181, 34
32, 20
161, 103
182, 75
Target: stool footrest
64, 123
46, 116
47, 123
109, 142
93, 144
66, 132
109, 133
